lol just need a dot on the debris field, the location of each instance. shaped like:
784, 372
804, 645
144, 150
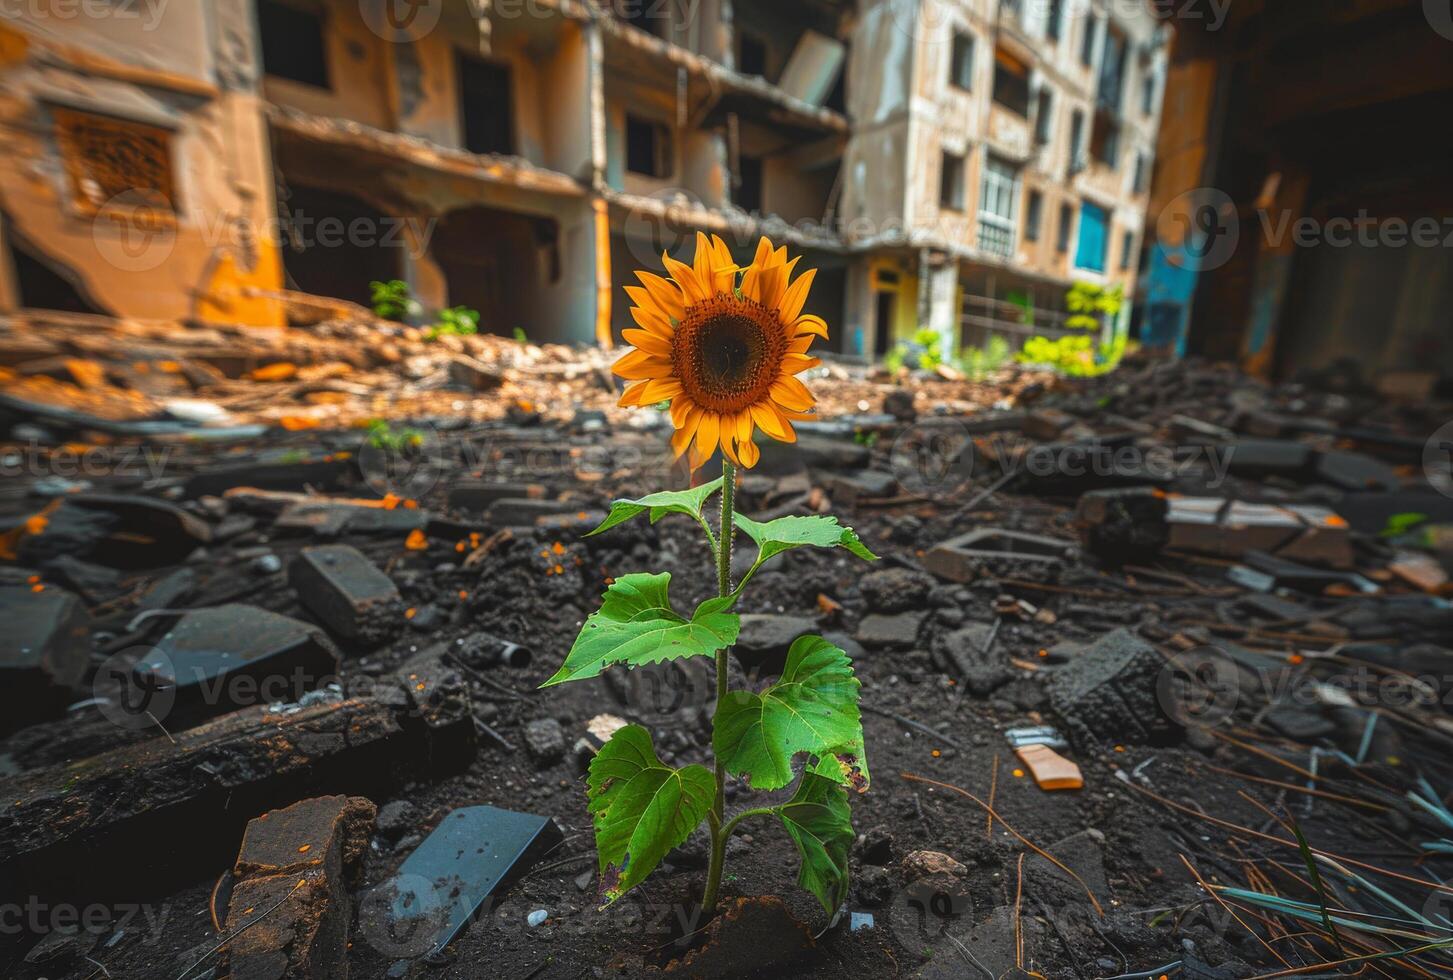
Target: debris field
1155, 669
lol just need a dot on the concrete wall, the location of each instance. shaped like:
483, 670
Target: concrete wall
196, 257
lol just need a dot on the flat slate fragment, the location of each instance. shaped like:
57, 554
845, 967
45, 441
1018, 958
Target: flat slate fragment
469, 859
44, 651
348, 593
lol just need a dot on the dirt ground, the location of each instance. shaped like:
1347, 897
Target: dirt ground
1154, 812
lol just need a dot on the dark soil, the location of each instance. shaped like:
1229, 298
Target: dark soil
1128, 850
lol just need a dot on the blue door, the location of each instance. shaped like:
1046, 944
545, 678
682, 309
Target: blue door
1094, 237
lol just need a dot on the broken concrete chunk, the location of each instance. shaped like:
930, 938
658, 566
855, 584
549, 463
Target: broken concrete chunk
896, 631
525, 511
1138, 523
545, 741
348, 593
1109, 692
896, 590
473, 374
764, 640
233, 656
981, 552
470, 859
290, 908
118, 530
478, 495
850, 490
327, 519
44, 652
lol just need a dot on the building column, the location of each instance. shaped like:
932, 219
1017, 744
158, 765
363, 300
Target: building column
9, 285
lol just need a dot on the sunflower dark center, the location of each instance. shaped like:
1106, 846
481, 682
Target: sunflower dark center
728, 351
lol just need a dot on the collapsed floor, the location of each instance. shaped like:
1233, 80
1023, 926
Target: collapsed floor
1223, 603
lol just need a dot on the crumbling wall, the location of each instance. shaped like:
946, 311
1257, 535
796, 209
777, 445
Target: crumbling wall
131, 173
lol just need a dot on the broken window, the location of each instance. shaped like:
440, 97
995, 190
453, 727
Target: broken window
1043, 116
1139, 184
1011, 83
1066, 222
751, 54
43, 288
116, 160
648, 147
1127, 249
1105, 139
749, 184
1094, 237
1147, 92
1087, 43
1077, 141
292, 42
1033, 216
951, 182
1054, 26
998, 207
336, 244
1110, 93
485, 105
961, 61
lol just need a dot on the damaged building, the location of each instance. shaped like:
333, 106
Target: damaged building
953, 164
1305, 220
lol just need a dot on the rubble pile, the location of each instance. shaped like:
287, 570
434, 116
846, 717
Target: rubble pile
1135, 646
341, 367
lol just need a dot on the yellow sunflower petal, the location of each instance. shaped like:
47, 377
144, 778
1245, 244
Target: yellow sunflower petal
799, 345
692, 288
708, 434
648, 341
791, 394
796, 296
748, 453
810, 324
684, 410
637, 364
681, 438
797, 363
723, 254
631, 397
771, 421
664, 294
660, 390
648, 318
706, 261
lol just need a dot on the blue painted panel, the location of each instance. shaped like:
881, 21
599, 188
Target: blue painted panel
1094, 237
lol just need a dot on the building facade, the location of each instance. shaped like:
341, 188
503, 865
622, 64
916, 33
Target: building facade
953, 164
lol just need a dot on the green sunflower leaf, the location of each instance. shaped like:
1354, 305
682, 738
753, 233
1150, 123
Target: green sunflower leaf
636, 625
642, 808
786, 533
819, 822
688, 502
812, 708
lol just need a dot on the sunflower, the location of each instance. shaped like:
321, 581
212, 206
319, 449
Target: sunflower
724, 353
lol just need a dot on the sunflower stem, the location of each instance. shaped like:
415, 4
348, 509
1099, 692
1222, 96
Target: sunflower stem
724, 588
